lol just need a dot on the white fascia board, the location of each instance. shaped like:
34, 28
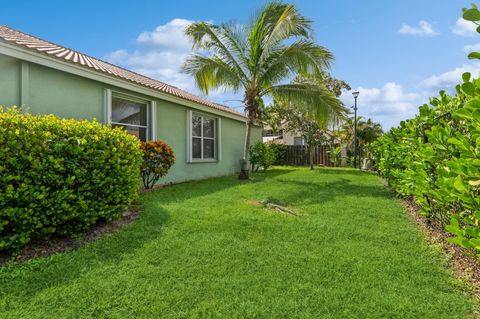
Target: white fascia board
38, 58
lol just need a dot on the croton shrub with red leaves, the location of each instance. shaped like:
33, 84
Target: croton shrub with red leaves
157, 159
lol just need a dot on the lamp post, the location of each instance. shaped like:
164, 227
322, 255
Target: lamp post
355, 96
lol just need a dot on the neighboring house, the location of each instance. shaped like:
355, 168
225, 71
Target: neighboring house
282, 136
207, 138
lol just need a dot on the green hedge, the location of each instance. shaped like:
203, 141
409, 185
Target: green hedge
435, 158
59, 176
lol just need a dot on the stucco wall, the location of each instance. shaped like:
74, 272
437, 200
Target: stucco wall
9, 81
67, 95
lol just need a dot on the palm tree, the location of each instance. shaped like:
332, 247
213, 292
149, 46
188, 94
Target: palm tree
369, 131
260, 59
346, 130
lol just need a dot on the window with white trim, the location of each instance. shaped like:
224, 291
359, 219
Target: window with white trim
203, 135
131, 115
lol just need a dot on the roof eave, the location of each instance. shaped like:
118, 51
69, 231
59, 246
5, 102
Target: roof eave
45, 60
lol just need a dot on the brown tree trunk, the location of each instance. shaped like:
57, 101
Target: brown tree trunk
310, 154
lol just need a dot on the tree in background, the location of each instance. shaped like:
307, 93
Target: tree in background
258, 58
336, 86
367, 132
311, 128
300, 121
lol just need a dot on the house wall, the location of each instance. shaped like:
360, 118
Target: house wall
288, 138
45, 90
9, 81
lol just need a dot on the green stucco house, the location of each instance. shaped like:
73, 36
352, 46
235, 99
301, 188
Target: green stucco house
44, 77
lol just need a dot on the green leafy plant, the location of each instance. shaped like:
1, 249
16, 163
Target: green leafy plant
280, 151
157, 159
261, 155
59, 176
435, 158
336, 156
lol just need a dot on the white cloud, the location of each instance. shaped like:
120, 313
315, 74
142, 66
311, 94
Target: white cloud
448, 80
465, 28
472, 48
159, 54
388, 100
169, 35
388, 104
424, 29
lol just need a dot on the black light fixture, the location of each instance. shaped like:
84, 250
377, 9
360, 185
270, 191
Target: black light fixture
355, 96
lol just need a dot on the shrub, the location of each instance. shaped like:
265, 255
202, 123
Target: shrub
261, 155
434, 158
280, 151
59, 176
336, 156
157, 159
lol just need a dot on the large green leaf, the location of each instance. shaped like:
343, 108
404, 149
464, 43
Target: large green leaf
474, 56
468, 88
471, 14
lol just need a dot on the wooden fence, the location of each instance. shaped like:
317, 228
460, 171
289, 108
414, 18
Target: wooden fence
297, 155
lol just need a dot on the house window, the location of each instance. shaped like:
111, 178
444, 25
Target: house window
298, 141
271, 133
203, 138
131, 116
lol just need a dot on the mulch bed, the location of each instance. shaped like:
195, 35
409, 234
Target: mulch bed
43, 248
463, 262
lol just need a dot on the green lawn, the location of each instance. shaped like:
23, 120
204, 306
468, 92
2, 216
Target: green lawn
203, 250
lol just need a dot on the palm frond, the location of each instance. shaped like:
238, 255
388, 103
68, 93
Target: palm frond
300, 57
212, 73
314, 98
286, 24
223, 41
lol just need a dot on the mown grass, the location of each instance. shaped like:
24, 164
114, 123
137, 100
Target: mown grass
202, 250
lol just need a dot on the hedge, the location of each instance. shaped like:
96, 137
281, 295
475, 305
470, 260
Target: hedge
60, 176
435, 158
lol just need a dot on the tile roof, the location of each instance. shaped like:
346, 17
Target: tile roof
59, 52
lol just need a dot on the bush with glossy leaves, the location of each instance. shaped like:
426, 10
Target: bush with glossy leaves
60, 176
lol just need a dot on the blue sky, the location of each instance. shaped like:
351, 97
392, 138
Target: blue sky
397, 53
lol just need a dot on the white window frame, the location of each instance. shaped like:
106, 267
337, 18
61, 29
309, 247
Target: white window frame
151, 127
216, 138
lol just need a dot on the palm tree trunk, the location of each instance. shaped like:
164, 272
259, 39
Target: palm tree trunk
251, 108
245, 173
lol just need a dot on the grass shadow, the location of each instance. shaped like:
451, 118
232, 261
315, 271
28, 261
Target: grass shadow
321, 190
32, 277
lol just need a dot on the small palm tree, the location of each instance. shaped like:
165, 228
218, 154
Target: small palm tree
260, 59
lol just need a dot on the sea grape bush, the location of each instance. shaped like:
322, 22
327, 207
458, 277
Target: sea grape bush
157, 159
59, 176
435, 158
